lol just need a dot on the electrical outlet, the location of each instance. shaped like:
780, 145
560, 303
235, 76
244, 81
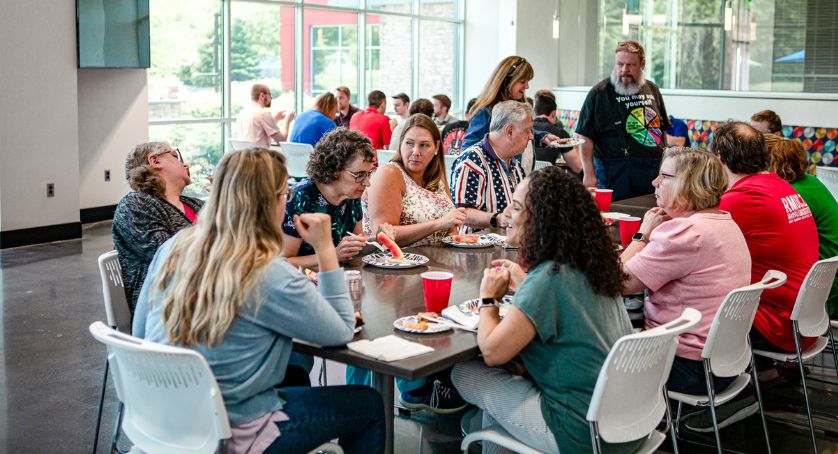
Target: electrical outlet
50, 189
107, 174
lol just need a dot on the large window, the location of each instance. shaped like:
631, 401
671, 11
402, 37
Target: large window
747, 45
207, 54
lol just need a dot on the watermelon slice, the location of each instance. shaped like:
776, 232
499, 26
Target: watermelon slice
391, 245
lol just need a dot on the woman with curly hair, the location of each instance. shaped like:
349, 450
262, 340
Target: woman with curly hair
155, 210
223, 289
565, 316
687, 253
339, 171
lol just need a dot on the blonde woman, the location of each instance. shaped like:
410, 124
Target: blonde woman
313, 124
222, 289
687, 253
153, 212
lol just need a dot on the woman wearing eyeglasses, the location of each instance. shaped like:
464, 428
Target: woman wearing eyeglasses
153, 212
411, 191
339, 171
508, 81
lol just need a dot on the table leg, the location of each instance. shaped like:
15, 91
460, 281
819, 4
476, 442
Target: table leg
384, 384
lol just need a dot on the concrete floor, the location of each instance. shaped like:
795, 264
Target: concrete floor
52, 367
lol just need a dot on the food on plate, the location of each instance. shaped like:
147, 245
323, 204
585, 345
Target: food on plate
418, 325
311, 275
388, 242
469, 239
397, 261
428, 314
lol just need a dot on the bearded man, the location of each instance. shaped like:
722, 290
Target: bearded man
623, 122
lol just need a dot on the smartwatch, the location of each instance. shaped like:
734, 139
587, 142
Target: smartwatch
493, 221
640, 237
487, 302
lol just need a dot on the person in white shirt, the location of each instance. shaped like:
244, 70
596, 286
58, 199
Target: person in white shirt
401, 105
257, 124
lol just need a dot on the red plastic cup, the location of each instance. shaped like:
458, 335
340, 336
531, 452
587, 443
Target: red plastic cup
603, 199
437, 288
628, 227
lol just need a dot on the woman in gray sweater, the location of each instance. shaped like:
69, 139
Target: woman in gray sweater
153, 212
222, 288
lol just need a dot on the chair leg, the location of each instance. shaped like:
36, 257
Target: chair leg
708, 380
669, 422
677, 422
101, 404
324, 377
755, 378
115, 438
595, 437
834, 354
803, 382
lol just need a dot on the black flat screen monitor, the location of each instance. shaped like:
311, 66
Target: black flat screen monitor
113, 33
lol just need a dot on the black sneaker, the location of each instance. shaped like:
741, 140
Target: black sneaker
726, 414
438, 397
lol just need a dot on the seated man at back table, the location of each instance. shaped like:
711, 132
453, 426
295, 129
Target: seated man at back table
767, 122
422, 106
486, 174
256, 123
372, 122
779, 230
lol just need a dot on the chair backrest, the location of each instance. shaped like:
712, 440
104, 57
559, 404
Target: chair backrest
113, 289
296, 157
172, 401
829, 178
810, 306
628, 403
240, 144
540, 165
727, 345
385, 156
449, 165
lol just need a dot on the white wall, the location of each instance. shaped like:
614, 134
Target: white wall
38, 114
534, 41
113, 118
481, 43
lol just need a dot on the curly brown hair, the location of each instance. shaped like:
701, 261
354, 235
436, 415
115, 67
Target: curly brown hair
786, 157
564, 225
334, 151
142, 176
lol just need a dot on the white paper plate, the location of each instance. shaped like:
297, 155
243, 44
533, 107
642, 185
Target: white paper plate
399, 324
482, 241
382, 260
572, 142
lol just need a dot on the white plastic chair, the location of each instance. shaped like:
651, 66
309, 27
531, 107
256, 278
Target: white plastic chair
119, 318
240, 144
540, 165
172, 402
809, 318
296, 157
829, 177
384, 156
629, 400
727, 352
449, 165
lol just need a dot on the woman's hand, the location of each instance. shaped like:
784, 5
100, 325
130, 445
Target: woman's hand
452, 219
516, 273
652, 219
315, 229
350, 246
495, 283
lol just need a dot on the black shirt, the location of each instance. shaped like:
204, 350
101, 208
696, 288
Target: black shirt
620, 126
549, 154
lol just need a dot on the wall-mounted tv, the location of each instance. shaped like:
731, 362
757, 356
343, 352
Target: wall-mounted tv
113, 33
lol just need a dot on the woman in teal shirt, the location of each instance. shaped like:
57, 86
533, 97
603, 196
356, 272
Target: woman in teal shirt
565, 316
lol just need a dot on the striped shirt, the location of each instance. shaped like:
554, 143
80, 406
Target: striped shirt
481, 180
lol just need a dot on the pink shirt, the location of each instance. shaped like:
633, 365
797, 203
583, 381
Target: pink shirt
257, 124
691, 262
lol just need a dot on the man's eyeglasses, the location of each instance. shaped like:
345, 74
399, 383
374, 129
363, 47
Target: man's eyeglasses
175, 153
360, 176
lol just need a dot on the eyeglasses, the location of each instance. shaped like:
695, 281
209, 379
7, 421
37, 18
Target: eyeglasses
360, 176
175, 153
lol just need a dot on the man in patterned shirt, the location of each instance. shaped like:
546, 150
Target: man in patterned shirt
485, 175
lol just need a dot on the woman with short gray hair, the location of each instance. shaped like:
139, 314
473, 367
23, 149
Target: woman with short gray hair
153, 212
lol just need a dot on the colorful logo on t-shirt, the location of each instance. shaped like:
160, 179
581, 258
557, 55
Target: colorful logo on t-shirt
796, 208
644, 125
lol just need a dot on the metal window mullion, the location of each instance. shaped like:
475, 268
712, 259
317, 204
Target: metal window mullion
227, 71
414, 74
458, 57
298, 57
361, 89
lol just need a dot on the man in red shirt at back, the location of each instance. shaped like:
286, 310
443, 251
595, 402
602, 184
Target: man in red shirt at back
372, 122
778, 227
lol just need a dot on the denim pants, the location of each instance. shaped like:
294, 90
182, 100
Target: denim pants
687, 376
358, 376
628, 176
352, 414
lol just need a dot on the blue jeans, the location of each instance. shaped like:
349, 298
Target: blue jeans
352, 414
687, 376
358, 376
628, 176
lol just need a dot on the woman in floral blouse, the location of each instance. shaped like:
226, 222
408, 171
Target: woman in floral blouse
411, 191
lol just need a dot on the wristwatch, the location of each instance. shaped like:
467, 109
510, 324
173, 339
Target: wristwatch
640, 237
487, 302
493, 221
